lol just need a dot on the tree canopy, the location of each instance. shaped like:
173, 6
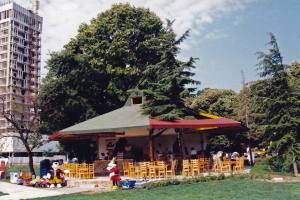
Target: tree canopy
121, 49
221, 102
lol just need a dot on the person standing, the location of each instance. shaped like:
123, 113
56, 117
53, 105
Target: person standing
193, 153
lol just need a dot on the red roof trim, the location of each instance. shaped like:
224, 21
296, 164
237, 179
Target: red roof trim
55, 136
201, 123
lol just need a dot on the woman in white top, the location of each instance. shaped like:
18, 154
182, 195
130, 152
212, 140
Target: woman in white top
193, 153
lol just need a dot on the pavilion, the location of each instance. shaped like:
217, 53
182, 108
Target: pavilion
147, 135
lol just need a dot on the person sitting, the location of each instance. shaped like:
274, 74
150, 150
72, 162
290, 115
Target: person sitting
170, 156
219, 155
193, 153
235, 156
158, 156
102, 156
74, 159
213, 159
226, 156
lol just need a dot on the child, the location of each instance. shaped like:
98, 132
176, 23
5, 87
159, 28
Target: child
114, 173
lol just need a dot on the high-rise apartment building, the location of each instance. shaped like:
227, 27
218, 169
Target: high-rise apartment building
20, 63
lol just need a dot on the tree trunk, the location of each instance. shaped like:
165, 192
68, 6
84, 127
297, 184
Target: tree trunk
295, 168
150, 145
181, 143
30, 156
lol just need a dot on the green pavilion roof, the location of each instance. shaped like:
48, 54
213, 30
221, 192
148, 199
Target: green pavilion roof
129, 117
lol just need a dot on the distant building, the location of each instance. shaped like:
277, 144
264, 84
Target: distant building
20, 63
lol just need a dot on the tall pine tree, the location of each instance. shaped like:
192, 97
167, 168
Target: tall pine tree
279, 123
166, 91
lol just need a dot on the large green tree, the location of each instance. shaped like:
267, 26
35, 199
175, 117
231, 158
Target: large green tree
277, 107
221, 102
109, 56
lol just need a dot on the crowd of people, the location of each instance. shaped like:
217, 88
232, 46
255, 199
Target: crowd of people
212, 155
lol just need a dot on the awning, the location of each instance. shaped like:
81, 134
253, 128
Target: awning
199, 123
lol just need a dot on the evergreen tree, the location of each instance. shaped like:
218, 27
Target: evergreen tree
168, 88
279, 108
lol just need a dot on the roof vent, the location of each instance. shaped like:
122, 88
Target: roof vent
136, 100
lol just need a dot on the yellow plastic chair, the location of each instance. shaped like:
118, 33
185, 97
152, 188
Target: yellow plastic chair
83, 171
131, 169
143, 170
91, 171
73, 170
126, 170
152, 171
221, 167
186, 168
239, 167
195, 167
171, 172
162, 167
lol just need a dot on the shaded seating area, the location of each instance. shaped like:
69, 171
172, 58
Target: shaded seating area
189, 168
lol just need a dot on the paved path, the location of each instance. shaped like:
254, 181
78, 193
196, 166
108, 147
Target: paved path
22, 192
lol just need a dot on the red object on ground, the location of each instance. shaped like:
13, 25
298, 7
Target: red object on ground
3, 169
200, 123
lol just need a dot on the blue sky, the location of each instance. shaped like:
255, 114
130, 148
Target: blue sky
225, 34
239, 35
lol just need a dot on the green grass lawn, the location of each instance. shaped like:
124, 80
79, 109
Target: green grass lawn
229, 189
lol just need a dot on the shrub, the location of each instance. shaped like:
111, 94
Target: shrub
265, 168
191, 180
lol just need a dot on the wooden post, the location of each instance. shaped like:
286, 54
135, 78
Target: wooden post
202, 142
181, 143
150, 145
98, 148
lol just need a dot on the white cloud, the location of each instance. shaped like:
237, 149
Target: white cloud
62, 17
